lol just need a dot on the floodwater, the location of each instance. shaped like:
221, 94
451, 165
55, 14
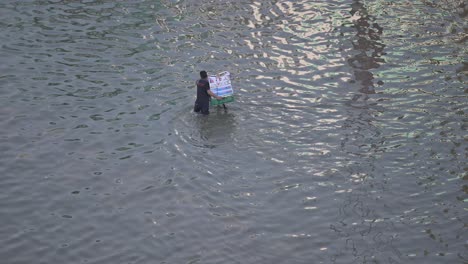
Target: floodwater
347, 142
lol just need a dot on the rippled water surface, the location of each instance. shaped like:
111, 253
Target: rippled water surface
347, 142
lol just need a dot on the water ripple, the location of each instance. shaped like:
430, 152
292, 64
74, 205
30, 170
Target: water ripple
346, 143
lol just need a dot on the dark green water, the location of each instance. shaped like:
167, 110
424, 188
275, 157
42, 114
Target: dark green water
347, 142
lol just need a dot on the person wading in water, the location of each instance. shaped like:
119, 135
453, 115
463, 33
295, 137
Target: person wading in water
202, 104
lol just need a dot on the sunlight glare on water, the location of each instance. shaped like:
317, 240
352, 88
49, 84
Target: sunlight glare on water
346, 142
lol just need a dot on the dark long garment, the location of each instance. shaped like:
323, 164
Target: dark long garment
202, 104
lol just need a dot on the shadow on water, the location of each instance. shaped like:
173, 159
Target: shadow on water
359, 127
368, 46
217, 128
364, 238
210, 131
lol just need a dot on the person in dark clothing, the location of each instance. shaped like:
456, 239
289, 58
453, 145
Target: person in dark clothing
202, 104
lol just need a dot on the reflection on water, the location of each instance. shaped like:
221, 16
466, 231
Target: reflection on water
346, 144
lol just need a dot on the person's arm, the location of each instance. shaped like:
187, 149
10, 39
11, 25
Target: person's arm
214, 95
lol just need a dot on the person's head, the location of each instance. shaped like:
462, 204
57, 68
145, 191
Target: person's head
203, 74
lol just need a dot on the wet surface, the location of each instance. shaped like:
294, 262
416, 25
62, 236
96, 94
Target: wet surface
347, 142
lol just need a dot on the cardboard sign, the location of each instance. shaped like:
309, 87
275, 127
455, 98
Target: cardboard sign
221, 84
